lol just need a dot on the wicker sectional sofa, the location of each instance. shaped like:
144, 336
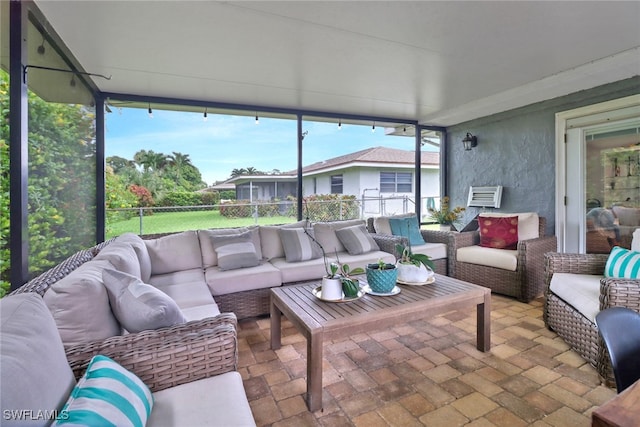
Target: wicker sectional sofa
202, 350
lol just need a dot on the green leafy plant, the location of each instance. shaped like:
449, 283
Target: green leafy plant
381, 265
446, 215
408, 257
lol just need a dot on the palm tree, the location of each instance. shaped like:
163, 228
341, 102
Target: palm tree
179, 161
150, 160
238, 172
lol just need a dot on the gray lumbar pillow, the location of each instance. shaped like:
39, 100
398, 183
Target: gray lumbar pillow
235, 251
137, 305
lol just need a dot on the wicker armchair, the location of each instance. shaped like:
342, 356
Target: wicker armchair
525, 283
580, 333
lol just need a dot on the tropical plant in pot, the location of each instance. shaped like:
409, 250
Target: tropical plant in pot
350, 285
413, 268
381, 276
338, 278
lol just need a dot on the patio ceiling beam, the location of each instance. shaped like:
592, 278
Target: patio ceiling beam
143, 100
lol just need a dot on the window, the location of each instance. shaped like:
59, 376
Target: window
336, 184
396, 182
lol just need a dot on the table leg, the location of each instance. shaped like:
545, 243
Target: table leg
484, 324
276, 330
314, 371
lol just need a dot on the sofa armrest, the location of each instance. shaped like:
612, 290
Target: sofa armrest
531, 255
616, 292
167, 357
388, 242
436, 236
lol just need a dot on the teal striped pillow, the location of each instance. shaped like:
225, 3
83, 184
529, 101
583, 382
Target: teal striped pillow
623, 263
107, 395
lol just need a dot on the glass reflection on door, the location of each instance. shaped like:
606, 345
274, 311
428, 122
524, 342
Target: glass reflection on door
612, 186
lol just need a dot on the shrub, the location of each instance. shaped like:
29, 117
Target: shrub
210, 198
181, 198
142, 194
328, 207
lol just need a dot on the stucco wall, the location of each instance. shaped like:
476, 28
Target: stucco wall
516, 149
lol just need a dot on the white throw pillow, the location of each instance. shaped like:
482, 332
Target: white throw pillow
139, 306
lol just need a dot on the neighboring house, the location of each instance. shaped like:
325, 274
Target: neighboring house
383, 178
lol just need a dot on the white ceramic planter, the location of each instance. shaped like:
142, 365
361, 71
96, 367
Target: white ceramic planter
413, 274
331, 289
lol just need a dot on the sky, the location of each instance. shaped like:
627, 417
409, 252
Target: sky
222, 143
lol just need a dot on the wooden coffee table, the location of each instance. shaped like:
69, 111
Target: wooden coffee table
318, 320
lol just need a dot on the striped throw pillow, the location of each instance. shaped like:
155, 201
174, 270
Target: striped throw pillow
623, 263
107, 394
299, 244
357, 240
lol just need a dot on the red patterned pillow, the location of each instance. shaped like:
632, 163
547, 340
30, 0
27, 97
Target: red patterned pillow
499, 232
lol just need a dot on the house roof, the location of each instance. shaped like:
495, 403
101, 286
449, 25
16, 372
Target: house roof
377, 156
434, 62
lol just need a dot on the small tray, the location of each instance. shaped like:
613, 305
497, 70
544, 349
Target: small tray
394, 291
317, 292
429, 281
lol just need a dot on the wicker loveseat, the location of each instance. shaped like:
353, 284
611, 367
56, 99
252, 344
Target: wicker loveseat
518, 273
581, 291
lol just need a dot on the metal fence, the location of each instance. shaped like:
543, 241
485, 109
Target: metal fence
164, 219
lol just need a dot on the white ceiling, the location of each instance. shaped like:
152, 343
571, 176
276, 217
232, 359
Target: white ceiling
439, 63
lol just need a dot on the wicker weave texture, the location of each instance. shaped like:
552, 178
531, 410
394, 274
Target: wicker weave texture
579, 332
167, 357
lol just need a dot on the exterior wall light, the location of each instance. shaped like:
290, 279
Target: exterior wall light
469, 142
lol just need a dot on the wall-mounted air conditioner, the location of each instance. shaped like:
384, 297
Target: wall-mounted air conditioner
485, 197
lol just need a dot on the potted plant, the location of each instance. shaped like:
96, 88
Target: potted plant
445, 216
350, 285
381, 276
337, 279
331, 282
413, 268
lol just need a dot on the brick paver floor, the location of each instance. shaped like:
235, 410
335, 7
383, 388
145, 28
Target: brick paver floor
426, 373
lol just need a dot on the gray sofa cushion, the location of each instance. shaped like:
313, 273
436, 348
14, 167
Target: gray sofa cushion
270, 239
80, 305
325, 233
139, 306
141, 251
235, 251
221, 282
175, 252
209, 256
123, 257
33, 366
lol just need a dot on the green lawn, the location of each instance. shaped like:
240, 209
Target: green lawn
166, 222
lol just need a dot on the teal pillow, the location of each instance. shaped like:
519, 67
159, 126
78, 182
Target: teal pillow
623, 263
107, 394
407, 227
